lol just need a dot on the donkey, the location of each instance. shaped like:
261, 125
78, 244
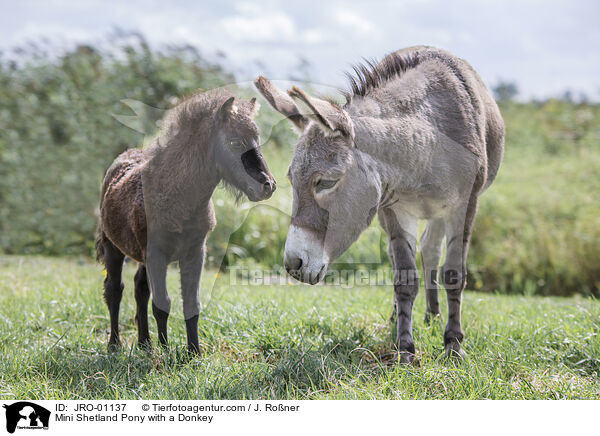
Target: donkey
419, 137
156, 204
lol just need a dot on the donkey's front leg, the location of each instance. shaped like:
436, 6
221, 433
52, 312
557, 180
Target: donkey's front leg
190, 267
453, 276
431, 254
402, 229
458, 228
156, 270
406, 287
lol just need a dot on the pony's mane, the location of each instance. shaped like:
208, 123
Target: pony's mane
371, 74
191, 109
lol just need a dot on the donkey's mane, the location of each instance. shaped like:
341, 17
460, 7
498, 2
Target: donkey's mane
371, 74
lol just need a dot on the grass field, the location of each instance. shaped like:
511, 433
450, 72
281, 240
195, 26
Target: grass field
283, 342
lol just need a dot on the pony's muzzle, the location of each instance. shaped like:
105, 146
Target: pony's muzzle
261, 189
269, 187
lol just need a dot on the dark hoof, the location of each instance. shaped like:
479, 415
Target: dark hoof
454, 352
145, 344
194, 350
431, 317
114, 347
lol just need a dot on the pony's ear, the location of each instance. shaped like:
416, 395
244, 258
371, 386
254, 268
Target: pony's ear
227, 109
253, 107
281, 102
328, 115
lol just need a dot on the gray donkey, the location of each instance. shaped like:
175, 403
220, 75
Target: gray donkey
156, 204
420, 137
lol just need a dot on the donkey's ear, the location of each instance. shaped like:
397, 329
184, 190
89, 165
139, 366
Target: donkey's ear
281, 102
227, 109
330, 116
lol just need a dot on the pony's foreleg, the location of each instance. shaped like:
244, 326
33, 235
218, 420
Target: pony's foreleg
142, 295
156, 270
113, 288
190, 267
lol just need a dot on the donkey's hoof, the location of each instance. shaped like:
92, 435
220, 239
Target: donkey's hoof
188, 354
406, 358
455, 352
431, 317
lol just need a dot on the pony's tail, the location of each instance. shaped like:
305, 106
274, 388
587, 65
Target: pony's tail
99, 245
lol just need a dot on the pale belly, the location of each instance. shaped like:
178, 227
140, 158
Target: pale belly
425, 205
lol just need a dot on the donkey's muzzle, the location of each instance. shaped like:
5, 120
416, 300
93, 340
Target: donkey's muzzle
304, 258
293, 266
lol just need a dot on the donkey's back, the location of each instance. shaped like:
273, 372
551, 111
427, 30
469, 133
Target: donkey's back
458, 100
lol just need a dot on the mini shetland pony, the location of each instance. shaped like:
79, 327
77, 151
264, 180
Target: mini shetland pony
156, 204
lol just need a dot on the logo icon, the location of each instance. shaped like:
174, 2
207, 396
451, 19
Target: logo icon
26, 415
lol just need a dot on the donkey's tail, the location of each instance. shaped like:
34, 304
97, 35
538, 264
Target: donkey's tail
99, 245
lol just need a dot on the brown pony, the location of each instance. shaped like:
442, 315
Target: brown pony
156, 204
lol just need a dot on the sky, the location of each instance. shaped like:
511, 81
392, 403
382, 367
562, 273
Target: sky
545, 47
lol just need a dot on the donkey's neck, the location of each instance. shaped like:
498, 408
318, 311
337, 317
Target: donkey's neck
397, 145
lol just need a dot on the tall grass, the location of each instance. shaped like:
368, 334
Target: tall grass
283, 342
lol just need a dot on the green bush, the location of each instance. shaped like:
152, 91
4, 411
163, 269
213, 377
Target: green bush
537, 230
58, 137
538, 227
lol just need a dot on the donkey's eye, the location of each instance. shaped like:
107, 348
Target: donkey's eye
324, 184
235, 144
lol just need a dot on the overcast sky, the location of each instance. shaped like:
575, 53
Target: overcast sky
546, 46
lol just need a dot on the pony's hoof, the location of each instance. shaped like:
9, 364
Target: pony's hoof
114, 347
194, 350
145, 344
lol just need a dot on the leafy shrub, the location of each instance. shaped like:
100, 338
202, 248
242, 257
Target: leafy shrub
537, 230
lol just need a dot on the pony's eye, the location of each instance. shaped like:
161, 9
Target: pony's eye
324, 184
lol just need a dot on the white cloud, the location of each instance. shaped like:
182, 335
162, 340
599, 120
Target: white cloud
314, 36
260, 26
349, 18
545, 49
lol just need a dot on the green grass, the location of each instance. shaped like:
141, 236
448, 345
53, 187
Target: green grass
283, 342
